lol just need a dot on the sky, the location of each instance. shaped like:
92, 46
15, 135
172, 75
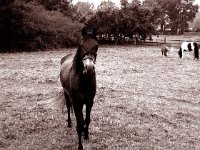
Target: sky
117, 2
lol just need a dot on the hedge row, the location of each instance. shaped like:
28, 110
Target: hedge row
29, 27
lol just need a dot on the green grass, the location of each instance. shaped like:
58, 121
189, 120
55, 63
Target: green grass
143, 101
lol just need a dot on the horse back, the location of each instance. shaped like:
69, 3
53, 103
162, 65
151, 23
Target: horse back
187, 46
65, 58
184, 46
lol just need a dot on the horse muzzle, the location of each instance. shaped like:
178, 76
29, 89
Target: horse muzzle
88, 65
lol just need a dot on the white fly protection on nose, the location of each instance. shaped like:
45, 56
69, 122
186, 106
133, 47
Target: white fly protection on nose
88, 64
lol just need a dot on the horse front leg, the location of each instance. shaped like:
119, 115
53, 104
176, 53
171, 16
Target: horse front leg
68, 103
80, 123
87, 120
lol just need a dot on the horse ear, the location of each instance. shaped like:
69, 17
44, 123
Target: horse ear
84, 32
94, 32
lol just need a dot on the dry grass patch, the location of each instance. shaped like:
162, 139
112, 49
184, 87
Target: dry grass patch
144, 101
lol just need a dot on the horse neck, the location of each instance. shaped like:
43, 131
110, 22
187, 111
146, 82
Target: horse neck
78, 66
89, 83
77, 62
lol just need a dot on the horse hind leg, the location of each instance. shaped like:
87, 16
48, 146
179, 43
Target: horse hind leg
87, 121
196, 52
165, 53
68, 103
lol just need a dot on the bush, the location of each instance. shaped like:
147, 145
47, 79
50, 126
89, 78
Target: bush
26, 26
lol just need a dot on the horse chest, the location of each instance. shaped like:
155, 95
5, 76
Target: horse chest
83, 88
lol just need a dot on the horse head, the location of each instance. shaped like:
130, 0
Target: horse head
88, 50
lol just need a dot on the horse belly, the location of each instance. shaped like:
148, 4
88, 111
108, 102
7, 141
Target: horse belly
184, 46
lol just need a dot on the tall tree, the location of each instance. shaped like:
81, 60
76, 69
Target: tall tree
157, 11
64, 6
174, 13
105, 19
124, 4
132, 20
84, 11
106, 5
184, 11
195, 24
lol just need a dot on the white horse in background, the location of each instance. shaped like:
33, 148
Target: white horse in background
189, 46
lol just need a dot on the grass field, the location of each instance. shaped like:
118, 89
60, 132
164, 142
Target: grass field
143, 101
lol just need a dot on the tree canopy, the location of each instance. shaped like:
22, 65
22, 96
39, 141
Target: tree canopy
173, 14
34, 24
131, 21
195, 24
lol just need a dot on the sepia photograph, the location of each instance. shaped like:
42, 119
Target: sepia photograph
99, 75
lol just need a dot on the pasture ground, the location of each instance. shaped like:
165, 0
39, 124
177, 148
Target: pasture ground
143, 101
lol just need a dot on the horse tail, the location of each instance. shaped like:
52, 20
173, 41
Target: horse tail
196, 51
60, 102
180, 52
57, 102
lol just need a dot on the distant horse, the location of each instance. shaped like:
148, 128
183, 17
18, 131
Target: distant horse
164, 50
189, 46
78, 80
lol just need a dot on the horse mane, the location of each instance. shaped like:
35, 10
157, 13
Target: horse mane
77, 59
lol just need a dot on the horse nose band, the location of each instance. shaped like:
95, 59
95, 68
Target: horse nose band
88, 64
91, 57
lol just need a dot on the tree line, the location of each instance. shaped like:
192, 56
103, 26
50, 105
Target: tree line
41, 24
138, 21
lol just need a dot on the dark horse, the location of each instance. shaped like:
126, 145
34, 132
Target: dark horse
189, 46
78, 80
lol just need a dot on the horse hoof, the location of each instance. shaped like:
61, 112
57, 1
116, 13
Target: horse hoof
86, 135
80, 147
86, 138
69, 123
